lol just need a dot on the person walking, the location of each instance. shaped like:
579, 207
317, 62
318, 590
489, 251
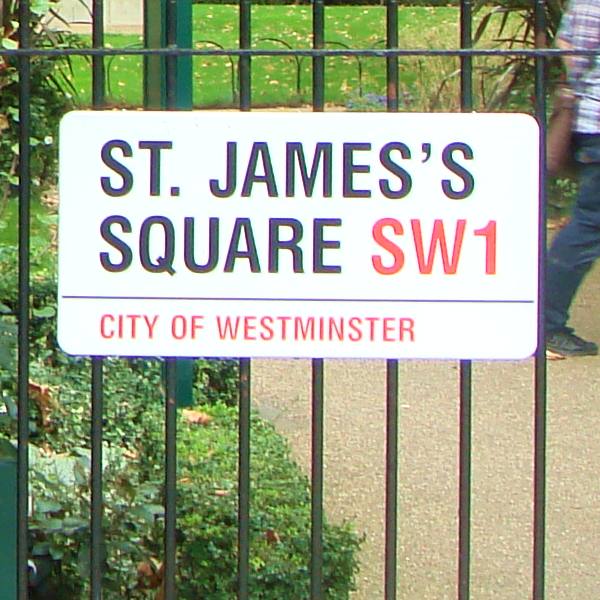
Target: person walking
576, 246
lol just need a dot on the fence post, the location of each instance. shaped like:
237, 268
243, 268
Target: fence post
168, 84
8, 520
156, 96
154, 66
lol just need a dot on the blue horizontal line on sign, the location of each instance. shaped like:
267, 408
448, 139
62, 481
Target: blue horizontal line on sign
371, 300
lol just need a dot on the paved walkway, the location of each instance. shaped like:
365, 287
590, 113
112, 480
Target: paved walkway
502, 466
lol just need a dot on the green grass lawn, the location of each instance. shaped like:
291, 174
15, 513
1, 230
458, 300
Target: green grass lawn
427, 83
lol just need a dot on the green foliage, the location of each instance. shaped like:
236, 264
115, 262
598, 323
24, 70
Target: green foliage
60, 519
216, 380
47, 105
512, 24
561, 196
279, 520
48, 101
8, 332
7, 338
43, 303
42, 298
207, 513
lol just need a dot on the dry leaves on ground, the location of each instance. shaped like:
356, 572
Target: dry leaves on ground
196, 417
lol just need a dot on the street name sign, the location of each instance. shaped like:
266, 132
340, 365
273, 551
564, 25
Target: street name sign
295, 234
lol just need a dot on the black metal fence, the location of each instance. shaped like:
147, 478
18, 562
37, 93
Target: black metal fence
171, 53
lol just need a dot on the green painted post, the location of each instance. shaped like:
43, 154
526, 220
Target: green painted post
155, 97
8, 521
184, 382
184, 94
155, 36
184, 369
155, 67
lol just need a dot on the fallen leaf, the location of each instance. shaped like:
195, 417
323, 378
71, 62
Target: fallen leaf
196, 417
150, 574
272, 536
131, 454
44, 400
550, 355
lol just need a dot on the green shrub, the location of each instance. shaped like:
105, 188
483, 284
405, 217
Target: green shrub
49, 99
48, 104
207, 516
279, 518
42, 286
59, 523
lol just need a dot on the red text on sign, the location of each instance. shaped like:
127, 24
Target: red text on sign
310, 329
386, 231
127, 326
189, 327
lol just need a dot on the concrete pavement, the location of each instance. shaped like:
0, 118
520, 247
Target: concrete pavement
502, 508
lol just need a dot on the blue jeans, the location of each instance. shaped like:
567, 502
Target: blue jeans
577, 245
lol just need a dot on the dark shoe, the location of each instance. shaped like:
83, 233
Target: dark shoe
566, 343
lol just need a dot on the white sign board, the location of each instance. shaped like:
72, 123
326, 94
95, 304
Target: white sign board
298, 234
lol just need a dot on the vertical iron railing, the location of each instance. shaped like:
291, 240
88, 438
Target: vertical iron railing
24, 66
170, 531
244, 481
244, 486
170, 541
540, 385
391, 481
465, 386
170, 98
317, 366
391, 437
464, 495
318, 62
317, 445
245, 33
96, 532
